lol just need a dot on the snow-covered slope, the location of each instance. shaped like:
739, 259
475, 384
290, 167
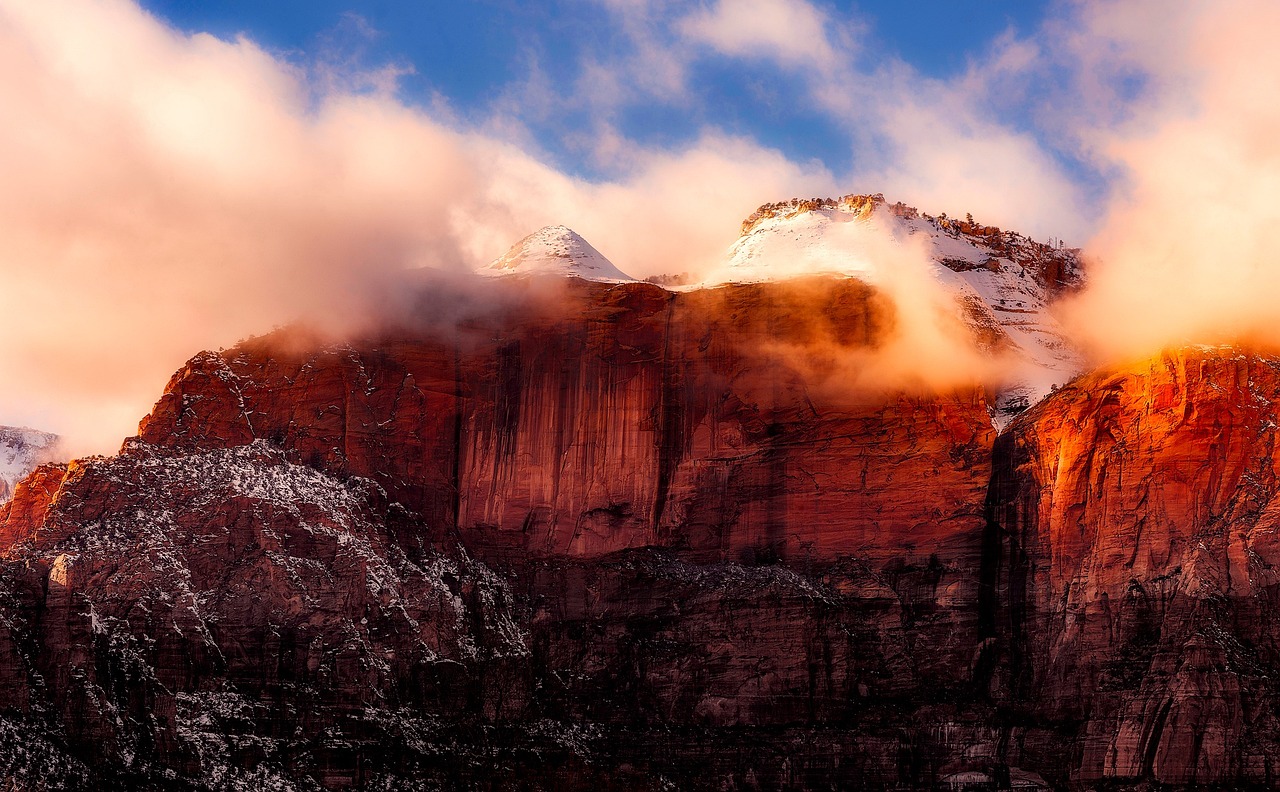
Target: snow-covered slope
556, 250
22, 450
1002, 281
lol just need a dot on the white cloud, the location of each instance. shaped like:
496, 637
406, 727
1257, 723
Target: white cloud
793, 33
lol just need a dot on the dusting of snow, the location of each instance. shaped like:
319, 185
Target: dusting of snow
183, 544
556, 250
29, 759
321, 536
23, 450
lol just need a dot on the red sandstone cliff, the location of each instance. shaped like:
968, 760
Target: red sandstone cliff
631, 417
1137, 585
625, 538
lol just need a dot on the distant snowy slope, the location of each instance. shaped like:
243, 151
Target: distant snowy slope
21, 451
556, 250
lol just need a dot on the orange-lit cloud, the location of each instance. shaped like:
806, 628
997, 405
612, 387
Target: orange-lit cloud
164, 193
1187, 253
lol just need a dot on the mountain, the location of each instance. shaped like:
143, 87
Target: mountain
21, 451
600, 538
1002, 282
635, 538
556, 250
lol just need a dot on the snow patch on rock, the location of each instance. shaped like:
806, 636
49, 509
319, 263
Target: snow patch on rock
22, 450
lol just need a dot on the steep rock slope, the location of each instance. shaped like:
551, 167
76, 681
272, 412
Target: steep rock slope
1136, 581
228, 616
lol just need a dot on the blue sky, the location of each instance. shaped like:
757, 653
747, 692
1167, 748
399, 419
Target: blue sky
487, 56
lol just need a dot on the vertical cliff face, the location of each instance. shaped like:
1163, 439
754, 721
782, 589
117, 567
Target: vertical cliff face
1134, 515
714, 423
632, 417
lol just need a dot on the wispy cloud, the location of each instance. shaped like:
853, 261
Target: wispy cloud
792, 33
944, 144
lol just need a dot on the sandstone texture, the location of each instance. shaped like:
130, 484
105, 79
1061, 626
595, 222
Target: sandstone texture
615, 537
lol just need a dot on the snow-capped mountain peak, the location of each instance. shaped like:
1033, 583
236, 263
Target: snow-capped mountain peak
834, 236
1003, 282
556, 250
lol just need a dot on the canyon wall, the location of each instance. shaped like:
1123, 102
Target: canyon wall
1135, 515
619, 537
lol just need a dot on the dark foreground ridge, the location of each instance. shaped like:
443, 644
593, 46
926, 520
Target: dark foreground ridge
643, 542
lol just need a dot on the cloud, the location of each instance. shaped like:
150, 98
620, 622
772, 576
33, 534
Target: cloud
793, 33
936, 143
1187, 250
165, 192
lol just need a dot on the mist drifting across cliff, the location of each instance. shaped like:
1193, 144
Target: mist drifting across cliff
168, 191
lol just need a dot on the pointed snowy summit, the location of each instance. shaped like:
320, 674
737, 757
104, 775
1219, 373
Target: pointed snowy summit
556, 250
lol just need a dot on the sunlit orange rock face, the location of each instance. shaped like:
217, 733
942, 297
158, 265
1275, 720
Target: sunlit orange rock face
1136, 578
